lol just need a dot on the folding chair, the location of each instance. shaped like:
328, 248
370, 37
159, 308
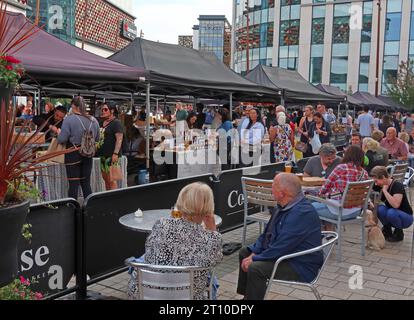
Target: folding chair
156, 282
356, 195
258, 192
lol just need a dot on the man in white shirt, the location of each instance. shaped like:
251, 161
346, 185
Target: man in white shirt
321, 108
365, 123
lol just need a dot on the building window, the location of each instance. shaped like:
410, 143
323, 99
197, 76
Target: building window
366, 35
258, 37
289, 34
340, 47
392, 42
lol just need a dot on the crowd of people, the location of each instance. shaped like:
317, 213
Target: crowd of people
294, 224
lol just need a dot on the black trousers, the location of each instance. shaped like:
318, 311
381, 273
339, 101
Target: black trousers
78, 171
253, 283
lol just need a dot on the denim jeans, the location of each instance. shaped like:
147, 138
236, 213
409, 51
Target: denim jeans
324, 212
394, 217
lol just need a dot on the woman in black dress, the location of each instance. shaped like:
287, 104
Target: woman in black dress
304, 126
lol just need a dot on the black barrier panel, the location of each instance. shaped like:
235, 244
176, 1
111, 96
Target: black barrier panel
108, 243
49, 257
229, 194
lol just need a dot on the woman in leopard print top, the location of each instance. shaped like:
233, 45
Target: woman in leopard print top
185, 241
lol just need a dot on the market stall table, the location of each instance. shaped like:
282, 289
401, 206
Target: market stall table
53, 184
149, 218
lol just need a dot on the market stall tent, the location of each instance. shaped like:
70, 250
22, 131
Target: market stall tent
49, 61
173, 69
293, 86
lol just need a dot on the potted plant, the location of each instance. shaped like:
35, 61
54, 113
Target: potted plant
19, 289
16, 154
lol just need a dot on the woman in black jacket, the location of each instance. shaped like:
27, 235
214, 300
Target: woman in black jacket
320, 127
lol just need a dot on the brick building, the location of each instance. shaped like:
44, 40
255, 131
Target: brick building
99, 26
185, 41
102, 23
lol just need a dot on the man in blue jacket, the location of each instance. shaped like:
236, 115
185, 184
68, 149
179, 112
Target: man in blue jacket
293, 227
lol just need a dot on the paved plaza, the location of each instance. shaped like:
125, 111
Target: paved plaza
386, 274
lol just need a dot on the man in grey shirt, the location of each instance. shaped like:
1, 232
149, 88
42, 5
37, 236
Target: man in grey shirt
408, 124
322, 166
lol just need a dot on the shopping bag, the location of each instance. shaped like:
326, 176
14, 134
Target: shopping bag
115, 173
56, 147
316, 143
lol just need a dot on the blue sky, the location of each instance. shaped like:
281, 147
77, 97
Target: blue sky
165, 20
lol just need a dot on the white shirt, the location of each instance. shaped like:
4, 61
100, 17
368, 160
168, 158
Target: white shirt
365, 121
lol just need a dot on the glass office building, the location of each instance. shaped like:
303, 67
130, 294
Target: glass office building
253, 34
332, 42
213, 33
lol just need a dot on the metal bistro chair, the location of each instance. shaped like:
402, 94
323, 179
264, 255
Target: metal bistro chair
412, 251
258, 192
328, 241
398, 169
409, 175
156, 282
356, 195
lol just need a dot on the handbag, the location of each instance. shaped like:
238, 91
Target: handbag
56, 147
316, 144
301, 146
115, 173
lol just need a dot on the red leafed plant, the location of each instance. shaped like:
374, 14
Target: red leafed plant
12, 43
16, 154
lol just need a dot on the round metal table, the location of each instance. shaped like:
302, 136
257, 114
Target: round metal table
147, 221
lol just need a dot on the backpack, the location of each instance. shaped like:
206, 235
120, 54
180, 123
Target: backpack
88, 146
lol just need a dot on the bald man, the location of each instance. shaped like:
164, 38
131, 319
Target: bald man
396, 148
293, 227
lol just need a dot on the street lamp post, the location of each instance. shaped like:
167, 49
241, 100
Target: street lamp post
378, 49
85, 17
247, 38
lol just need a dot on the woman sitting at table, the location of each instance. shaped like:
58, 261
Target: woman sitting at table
185, 241
374, 155
350, 170
395, 212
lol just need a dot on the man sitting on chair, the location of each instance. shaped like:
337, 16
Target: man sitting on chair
293, 227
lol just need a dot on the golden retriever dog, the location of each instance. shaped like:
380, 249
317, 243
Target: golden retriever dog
375, 238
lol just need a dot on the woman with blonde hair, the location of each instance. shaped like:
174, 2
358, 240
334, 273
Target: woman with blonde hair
374, 154
191, 240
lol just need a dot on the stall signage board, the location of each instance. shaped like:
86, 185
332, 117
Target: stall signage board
129, 30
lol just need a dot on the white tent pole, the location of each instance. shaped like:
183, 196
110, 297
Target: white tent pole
148, 124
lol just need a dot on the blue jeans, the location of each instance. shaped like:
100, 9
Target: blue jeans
324, 212
394, 217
